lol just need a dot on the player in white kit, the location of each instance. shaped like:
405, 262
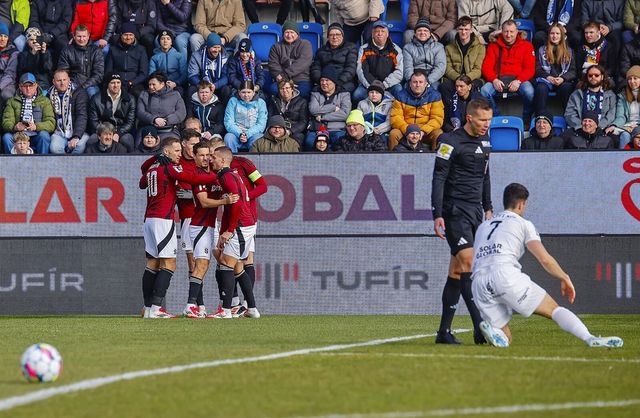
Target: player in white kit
499, 285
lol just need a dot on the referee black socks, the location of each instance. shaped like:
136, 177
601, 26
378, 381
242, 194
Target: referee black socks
450, 298
465, 283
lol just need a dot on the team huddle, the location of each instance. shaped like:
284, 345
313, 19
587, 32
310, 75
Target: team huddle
200, 176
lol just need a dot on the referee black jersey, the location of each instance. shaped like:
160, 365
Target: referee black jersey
461, 171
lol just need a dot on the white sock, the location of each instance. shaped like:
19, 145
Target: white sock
235, 301
155, 308
570, 323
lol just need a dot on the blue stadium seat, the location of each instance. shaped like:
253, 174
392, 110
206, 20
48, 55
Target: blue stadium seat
559, 124
527, 26
263, 35
312, 32
505, 133
404, 9
384, 14
396, 32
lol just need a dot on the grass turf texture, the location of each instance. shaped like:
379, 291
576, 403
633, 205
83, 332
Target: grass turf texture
406, 376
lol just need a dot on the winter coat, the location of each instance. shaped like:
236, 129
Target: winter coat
631, 15
51, 16
101, 110
210, 114
295, 113
539, 15
368, 143
517, 60
236, 75
534, 142
320, 104
629, 56
384, 64
224, 17
8, 71
377, 115
609, 12
248, 117
43, 115
270, 144
355, 12
442, 14
142, 13
470, 64
166, 103
79, 110
40, 65
291, 60
85, 63
115, 148
343, 59
623, 112
20, 12
429, 56
573, 111
99, 17
607, 58
174, 16
130, 61
403, 146
195, 73
569, 75
427, 110
577, 139
172, 63
487, 15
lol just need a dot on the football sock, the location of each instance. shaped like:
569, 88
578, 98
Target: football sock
228, 282
247, 289
450, 298
163, 280
200, 298
251, 272
467, 294
236, 300
235, 292
148, 279
218, 276
570, 323
195, 287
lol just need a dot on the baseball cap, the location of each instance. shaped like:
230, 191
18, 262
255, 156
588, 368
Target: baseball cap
28, 78
380, 24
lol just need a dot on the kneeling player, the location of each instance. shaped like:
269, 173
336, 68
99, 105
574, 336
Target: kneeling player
499, 285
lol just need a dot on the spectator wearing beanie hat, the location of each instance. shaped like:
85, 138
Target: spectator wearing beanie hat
245, 66
589, 136
321, 143
328, 107
170, 61
338, 53
175, 16
442, 15
376, 108
542, 136
412, 141
357, 138
627, 108
208, 64
143, 14
424, 51
129, 59
225, 18
276, 138
149, 140
290, 58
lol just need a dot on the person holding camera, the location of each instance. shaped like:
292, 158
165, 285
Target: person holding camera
53, 19
36, 58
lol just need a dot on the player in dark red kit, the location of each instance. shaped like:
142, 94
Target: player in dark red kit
160, 176
207, 199
237, 232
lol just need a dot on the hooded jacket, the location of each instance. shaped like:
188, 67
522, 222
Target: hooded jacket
166, 103
270, 144
343, 59
517, 60
385, 64
469, 64
291, 60
377, 114
85, 63
8, 71
210, 114
428, 55
130, 61
295, 112
101, 110
99, 17
172, 63
248, 117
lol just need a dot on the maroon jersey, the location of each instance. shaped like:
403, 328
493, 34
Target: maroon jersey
252, 179
161, 185
239, 213
186, 207
206, 216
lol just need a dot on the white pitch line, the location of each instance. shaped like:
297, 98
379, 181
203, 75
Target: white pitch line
490, 357
507, 409
39, 395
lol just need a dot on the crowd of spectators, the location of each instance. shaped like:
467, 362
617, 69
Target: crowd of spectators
117, 76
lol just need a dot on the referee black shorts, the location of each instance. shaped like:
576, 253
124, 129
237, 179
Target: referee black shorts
461, 220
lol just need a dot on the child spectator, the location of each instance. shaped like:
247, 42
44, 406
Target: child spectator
376, 108
21, 144
171, 62
321, 143
245, 66
245, 118
150, 141
207, 108
635, 140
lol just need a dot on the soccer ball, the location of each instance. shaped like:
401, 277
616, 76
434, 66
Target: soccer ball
41, 363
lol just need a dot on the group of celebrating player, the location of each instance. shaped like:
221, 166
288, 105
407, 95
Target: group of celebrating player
200, 175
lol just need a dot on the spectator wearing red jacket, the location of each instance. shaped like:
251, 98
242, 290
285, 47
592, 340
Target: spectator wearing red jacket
507, 68
99, 16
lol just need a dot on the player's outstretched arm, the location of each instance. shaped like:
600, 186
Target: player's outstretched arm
552, 267
206, 202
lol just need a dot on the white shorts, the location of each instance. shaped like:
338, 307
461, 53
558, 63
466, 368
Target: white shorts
252, 248
240, 244
501, 290
202, 238
160, 238
185, 238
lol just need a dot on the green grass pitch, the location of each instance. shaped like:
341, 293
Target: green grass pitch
544, 369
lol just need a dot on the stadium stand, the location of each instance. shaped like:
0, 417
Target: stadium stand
506, 133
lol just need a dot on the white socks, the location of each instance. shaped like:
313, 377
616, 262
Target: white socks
570, 323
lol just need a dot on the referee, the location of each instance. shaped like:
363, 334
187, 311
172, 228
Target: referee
461, 200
